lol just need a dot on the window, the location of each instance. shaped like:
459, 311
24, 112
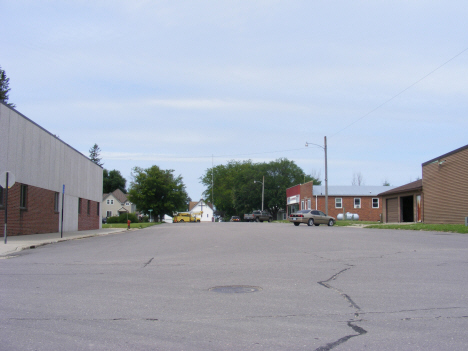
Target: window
79, 205
1, 196
127, 203
23, 196
302, 204
89, 207
112, 202
338, 202
56, 201
357, 202
109, 214
308, 204
108, 201
375, 202
97, 212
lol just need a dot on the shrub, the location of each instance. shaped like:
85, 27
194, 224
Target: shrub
122, 218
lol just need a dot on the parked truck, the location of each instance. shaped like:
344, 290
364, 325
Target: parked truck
258, 216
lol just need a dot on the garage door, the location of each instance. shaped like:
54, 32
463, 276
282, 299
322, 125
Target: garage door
392, 210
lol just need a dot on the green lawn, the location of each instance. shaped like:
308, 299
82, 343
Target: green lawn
132, 225
451, 228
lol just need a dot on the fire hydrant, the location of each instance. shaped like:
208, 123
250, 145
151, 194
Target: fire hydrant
128, 223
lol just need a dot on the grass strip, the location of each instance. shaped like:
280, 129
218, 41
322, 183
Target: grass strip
450, 228
132, 225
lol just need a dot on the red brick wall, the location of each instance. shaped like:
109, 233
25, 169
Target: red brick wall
88, 221
366, 212
306, 194
38, 217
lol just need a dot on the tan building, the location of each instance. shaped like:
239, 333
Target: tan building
403, 204
115, 203
441, 196
445, 186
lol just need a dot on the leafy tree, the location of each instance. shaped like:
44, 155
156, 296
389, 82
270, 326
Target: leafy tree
113, 180
158, 190
235, 192
94, 155
4, 88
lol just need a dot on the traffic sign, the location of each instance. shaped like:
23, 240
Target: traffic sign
11, 179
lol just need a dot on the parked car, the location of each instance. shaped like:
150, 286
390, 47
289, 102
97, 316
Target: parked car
258, 216
311, 217
235, 219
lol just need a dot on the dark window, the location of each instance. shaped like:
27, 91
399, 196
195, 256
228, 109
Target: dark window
375, 203
56, 202
1, 196
97, 212
357, 202
338, 202
89, 207
79, 205
23, 196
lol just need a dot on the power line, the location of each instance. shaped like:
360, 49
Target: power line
401, 92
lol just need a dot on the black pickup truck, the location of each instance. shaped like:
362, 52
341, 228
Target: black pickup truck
258, 216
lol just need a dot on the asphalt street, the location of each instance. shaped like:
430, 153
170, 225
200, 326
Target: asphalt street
239, 286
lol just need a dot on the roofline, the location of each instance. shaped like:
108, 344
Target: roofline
45, 130
445, 155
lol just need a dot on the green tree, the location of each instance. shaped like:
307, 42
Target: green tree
235, 192
113, 180
158, 190
5, 88
94, 155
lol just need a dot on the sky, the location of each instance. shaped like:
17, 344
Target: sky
185, 85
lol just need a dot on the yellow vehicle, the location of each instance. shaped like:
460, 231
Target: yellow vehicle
187, 217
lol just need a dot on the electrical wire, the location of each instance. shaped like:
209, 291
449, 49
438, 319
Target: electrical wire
401, 92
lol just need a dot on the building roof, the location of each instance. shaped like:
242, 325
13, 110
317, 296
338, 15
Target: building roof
413, 186
118, 194
192, 204
445, 155
350, 190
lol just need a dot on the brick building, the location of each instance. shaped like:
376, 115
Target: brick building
361, 200
43, 166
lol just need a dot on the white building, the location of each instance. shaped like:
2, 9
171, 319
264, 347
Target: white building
45, 169
207, 209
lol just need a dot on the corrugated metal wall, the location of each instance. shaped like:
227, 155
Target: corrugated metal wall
445, 184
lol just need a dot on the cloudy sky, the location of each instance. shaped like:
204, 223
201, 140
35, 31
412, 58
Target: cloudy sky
187, 84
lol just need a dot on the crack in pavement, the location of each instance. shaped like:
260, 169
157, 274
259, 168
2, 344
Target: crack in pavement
357, 310
147, 263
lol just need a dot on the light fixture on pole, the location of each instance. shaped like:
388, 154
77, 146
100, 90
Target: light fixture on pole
326, 171
263, 189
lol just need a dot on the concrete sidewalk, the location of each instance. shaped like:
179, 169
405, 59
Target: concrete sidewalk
20, 242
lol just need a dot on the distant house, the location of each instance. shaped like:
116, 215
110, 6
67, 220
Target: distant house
115, 203
207, 209
361, 200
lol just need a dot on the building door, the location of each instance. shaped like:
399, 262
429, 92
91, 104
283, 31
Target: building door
392, 210
407, 208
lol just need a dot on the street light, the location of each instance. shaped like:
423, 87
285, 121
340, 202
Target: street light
326, 171
263, 188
